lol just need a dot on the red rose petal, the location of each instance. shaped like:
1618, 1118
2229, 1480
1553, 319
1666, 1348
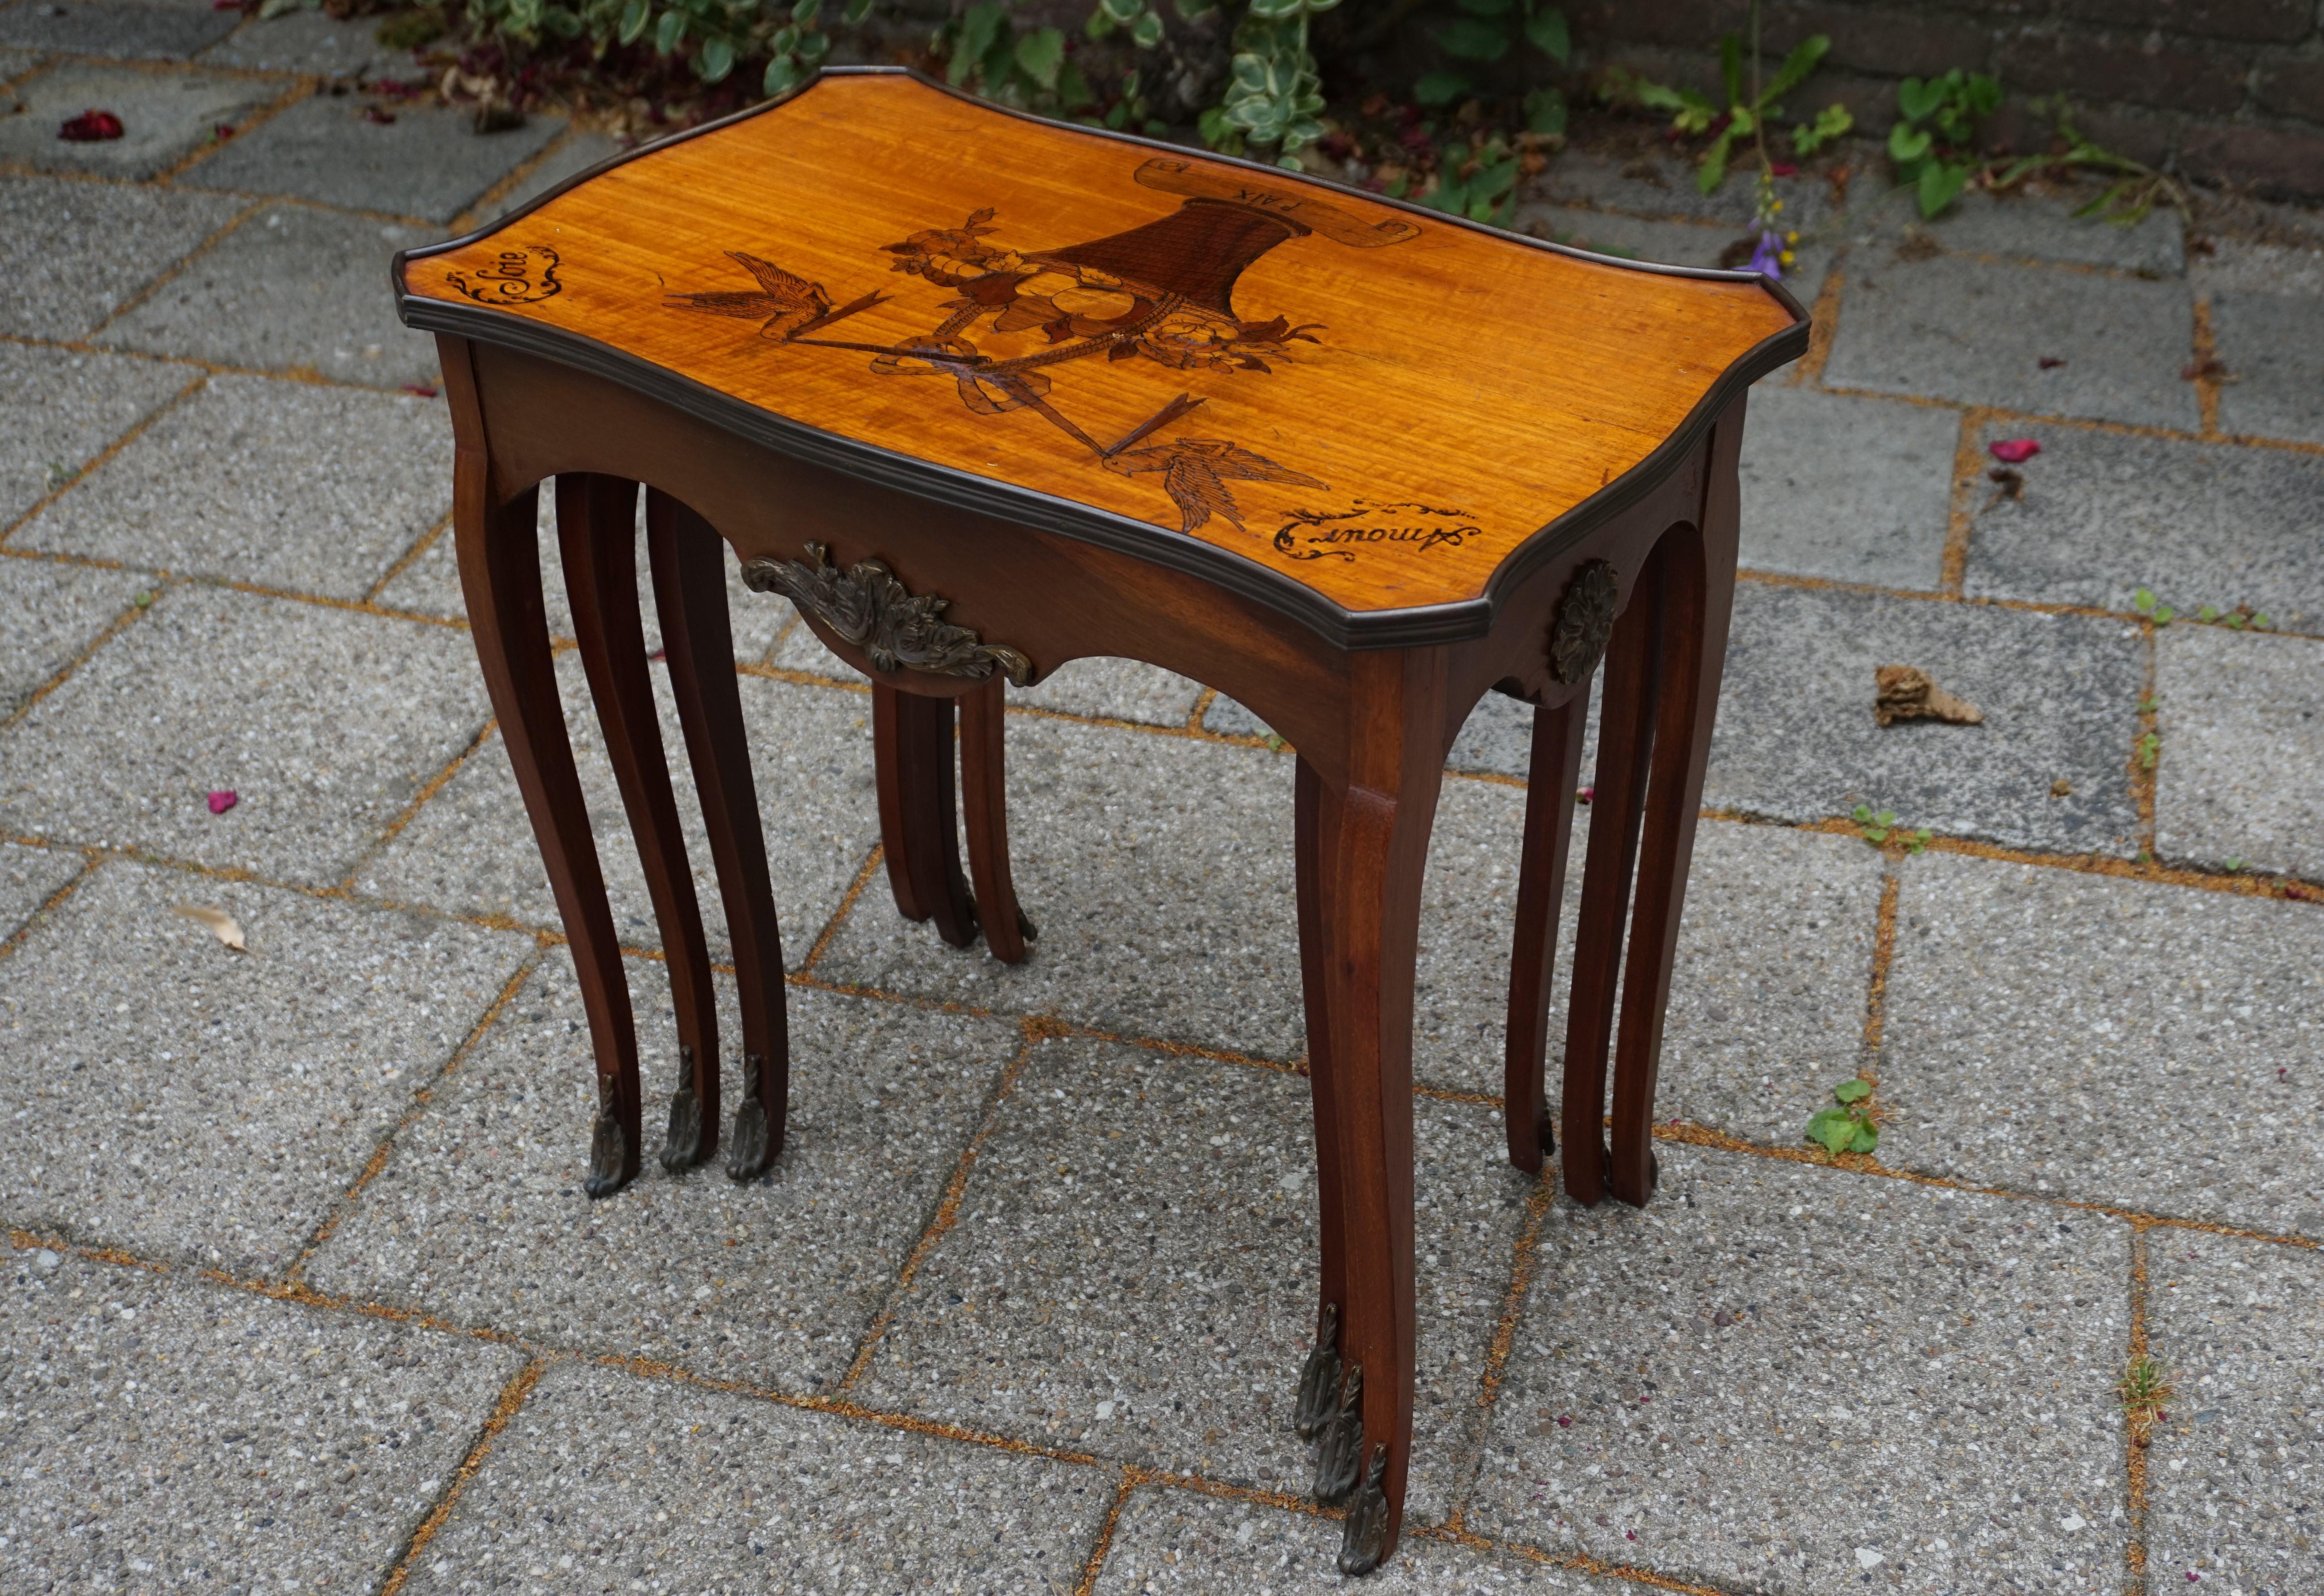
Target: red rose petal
223, 799
90, 127
2012, 451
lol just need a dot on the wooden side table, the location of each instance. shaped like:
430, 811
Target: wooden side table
983, 394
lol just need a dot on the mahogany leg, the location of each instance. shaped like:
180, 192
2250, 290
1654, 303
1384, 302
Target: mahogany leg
919, 824
985, 807
1540, 896
689, 573
1319, 1378
1370, 921
500, 577
1626, 719
1699, 582
596, 532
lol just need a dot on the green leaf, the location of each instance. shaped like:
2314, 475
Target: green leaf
1730, 66
1886, 817
1547, 30
857, 10
1907, 144
1073, 88
634, 22
2162, 613
783, 74
1487, 7
1940, 185
1493, 182
978, 24
1545, 110
1713, 171
1854, 1089
1866, 1138
1040, 54
1830, 123
1440, 88
668, 32
2142, 600
1471, 41
1121, 13
1861, 813
1146, 32
714, 60
1796, 66
1195, 11
1916, 99
806, 10
1834, 1129
2208, 613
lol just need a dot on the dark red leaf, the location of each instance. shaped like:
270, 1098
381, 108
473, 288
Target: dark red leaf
1782, 168
376, 113
90, 127
2012, 451
420, 389
2051, 362
223, 799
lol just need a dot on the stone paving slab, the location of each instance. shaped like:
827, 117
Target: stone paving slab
479, 1217
2104, 514
2053, 1033
2273, 347
426, 164
1110, 689
167, 1434
633, 1484
1159, 872
29, 877
51, 611
74, 252
188, 1101
1780, 1377
149, 30
1649, 185
2235, 1481
1767, 997
291, 289
15, 64
224, 485
472, 851
59, 410
2242, 719
1182, 1543
1796, 740
576, 153
1853, 490
2027, 227
306, 41
1133, 1272
2250, 267
327, 723
430, 586
1976, 331
165, 117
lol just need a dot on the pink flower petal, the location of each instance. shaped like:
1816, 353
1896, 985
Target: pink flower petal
2012, 451
223, 799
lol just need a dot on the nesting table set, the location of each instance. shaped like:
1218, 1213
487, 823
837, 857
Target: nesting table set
981, 395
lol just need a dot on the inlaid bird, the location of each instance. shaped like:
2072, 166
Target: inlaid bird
1196, 472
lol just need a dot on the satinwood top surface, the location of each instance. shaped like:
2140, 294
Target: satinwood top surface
1376, 402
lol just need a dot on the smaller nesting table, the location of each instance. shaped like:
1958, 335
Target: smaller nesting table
983, 394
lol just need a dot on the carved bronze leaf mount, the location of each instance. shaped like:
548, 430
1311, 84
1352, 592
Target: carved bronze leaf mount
868, 607
1585, 620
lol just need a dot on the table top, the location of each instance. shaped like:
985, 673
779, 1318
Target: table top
1341, 404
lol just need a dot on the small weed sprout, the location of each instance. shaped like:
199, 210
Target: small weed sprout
1849, 1128
2143, 1390
2150, 746
1877, 828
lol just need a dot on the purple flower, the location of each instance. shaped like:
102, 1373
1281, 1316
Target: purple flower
1768, 256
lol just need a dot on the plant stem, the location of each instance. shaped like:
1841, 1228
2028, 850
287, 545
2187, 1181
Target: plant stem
1758, 111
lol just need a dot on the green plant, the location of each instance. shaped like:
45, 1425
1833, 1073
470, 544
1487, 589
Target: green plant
1936, 122
2144, 601
2126, 201
1850, 1128
1830, 123
1487, 32
2150, 748
1477, 180
1746, 115
1029, 68
1274, 93
1876, 829
2141, 1391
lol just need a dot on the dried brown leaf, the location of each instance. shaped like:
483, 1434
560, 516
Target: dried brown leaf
220, 924
1902, 693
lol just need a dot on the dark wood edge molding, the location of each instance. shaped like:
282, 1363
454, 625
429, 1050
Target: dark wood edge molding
1416, 626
